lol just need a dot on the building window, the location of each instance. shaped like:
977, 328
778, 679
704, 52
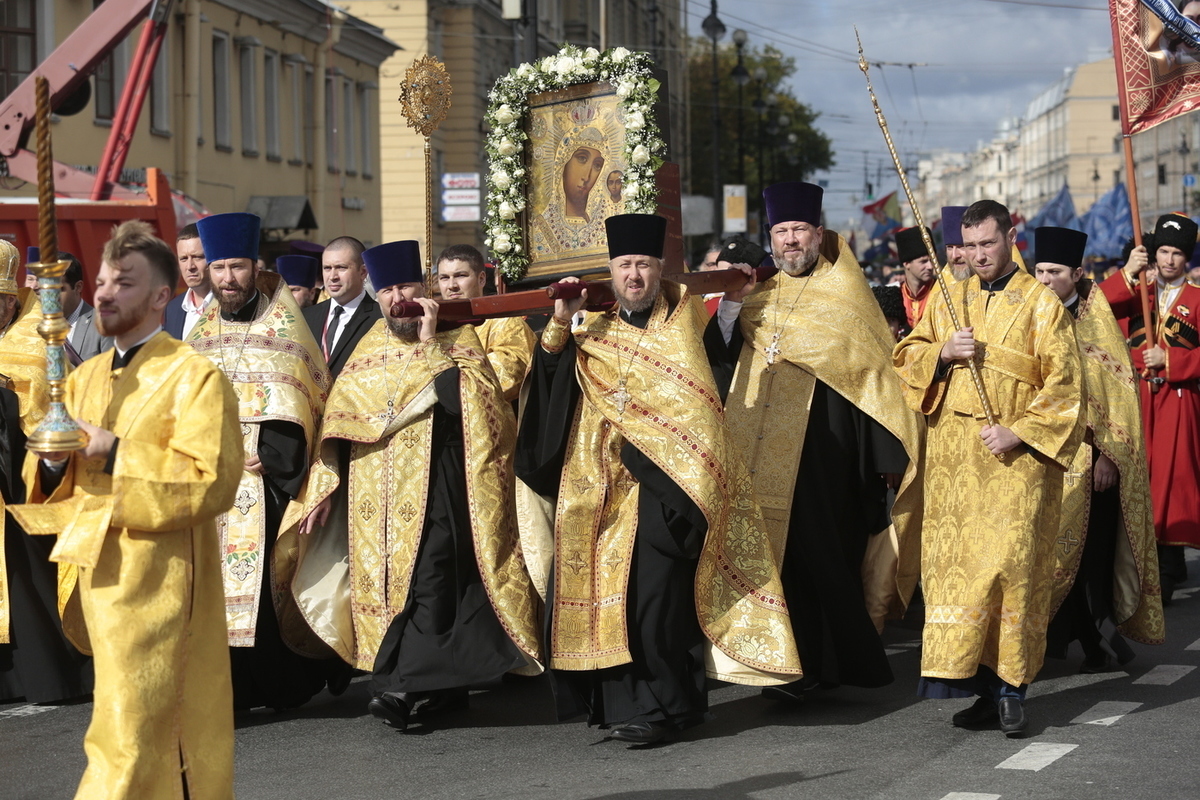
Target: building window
248, 73
331, 149
1162, 174
105, 83
365, 104
222, 113
1116, 113
271, 104
310, 115
299, 118
160, 92
347, 133
18, 43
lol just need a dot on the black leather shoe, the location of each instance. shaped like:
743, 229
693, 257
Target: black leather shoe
445, 700
339, 679
390, 707
793, 692
643, 732
1095, 663
1012, 717
982, 712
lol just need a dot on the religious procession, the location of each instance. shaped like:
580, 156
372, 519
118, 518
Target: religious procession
586, 454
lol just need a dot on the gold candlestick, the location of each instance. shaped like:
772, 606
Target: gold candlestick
57, 432
425, 101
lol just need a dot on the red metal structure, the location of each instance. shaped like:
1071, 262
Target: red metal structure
88, 205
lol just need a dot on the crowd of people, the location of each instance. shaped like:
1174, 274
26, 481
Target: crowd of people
278, 494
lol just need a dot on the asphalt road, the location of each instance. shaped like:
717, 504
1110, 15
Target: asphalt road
1129, 733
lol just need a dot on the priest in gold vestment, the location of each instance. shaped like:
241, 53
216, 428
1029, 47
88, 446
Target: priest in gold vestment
656, 562
508, 341
409, 559
1106, 535
992, 492
818, 414
256, 334
37, 662
134, 512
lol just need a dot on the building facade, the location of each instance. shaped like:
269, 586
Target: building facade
254, 105
478, 45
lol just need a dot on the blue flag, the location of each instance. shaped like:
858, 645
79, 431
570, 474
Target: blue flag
1108, 224
1058, 213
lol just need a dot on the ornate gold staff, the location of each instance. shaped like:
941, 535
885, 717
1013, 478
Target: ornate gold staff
972, 366
424, 100
57, 432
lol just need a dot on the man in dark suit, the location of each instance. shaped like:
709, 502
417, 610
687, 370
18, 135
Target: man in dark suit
84, 339
340, 322
185, 310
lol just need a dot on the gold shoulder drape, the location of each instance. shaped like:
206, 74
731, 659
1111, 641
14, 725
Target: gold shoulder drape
353, 573
676, 418
832, 330
23, 360
1115, 422
278, 373
509, 343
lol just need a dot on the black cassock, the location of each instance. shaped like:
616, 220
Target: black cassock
447, 635
38, 663
665, 681
840, 501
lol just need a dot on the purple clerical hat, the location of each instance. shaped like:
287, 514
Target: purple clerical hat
298, 270
952, 224
394, 262
233, 235
33, 255
793, 201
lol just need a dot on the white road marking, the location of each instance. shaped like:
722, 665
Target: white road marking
1164, 674
1068, 682
893, 651
1193, 646
1037, 756
970, 796
1106, 713
25, 711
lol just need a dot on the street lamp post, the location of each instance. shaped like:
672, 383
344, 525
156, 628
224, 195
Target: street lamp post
741, 76
760, 108
714, 29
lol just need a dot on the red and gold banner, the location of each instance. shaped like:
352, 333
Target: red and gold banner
1158, 63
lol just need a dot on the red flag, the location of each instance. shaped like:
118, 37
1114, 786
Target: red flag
1158, 71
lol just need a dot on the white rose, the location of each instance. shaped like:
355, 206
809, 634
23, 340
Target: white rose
591, 54
507, 147
502, 243
619, 54
565, 65
524, 71
635, 121
640, 155
625, 88
519, 172
501, 180
629, 191
506, 210
504, 115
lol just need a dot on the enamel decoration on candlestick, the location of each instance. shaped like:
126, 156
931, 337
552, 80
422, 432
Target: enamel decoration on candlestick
57, 432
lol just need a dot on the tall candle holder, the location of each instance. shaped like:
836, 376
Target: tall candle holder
57, 432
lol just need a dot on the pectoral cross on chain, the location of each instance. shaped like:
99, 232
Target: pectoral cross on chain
622, 397
773, 351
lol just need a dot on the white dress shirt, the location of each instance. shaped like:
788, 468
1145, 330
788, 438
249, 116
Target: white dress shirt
348, 310
193, 311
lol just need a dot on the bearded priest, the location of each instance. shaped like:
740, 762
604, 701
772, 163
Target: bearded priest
660, 568
819, 416
409, 562
256, 334
134, 512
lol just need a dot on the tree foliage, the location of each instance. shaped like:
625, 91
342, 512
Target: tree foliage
791, 151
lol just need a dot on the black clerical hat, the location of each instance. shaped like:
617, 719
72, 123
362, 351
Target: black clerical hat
636, 235
909, 244
1059, 246
793, 201
890, 302
1175, 230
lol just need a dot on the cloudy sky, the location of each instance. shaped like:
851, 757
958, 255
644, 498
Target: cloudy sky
986, 59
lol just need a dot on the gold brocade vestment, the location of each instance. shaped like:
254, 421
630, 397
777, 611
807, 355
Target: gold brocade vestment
354, 572
675, 417
23, 362
990, 526
509, 343
1114, 422
830, 329
149, 604
278, 373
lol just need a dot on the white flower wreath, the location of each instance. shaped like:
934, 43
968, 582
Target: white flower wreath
637, 91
